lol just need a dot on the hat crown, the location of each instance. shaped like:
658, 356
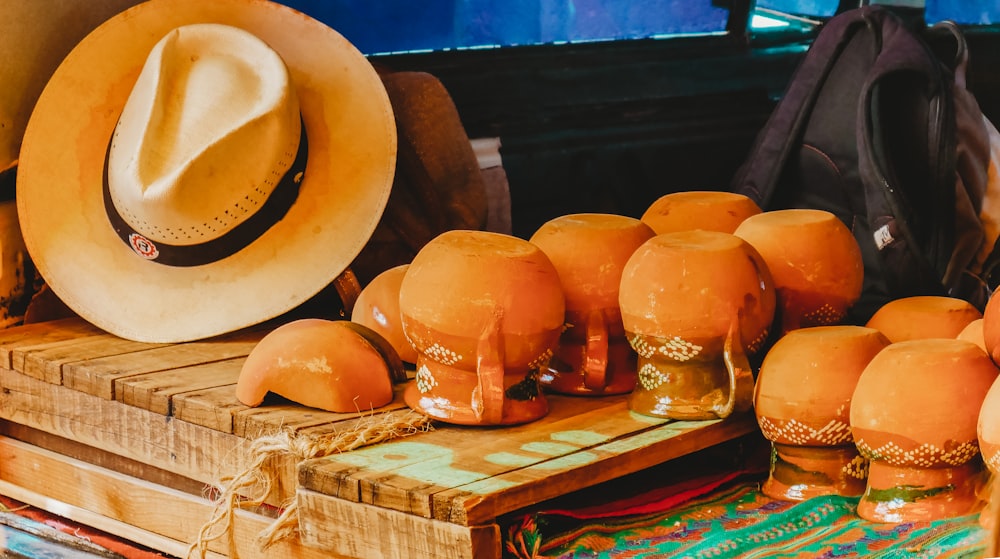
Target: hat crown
209, 129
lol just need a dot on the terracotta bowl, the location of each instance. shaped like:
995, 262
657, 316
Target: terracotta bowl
699, 209
377, 307
589, 251
484, 311
914, 415
814, 260
925, 316
694, 305
802, 401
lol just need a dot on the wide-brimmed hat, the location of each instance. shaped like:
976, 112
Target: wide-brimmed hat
193, 167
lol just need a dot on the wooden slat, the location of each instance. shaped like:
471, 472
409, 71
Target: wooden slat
45, 361
102, 458
97, 375
516, 489
189, 450
14, 338
403, 475
294, 418
155, 391
132, 508
370, 532
466, 476
211, 407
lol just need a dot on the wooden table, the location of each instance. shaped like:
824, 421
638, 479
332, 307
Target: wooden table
126, 436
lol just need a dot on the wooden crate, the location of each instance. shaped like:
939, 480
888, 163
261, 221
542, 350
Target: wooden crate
126, 436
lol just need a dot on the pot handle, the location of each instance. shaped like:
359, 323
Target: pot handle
488, 396
595, 358
740, 374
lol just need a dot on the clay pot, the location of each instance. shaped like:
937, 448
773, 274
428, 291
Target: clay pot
814, 260
914, 416
988, 434
695, 304
377, 307
593, 357
923, 316
699, 209
484, 311
802, 401
991, 328
973, 332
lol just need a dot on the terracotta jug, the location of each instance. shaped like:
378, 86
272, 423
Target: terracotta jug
802, 401
914, 415
589, 251
699, 209
484, 311
695, 304
923, 316
377, 307
814, 260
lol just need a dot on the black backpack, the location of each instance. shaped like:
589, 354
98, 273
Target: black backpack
878, 128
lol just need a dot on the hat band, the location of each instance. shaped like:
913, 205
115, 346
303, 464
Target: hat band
238, 238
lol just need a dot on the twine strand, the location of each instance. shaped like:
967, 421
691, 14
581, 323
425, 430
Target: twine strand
250, 487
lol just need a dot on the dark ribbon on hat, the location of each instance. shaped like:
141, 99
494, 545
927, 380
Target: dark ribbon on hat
238, 238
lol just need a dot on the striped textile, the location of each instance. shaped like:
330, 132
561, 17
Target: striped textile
728, 517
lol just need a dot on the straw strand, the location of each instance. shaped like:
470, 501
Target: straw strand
250, 487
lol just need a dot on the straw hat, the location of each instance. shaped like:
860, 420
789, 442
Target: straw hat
196, 167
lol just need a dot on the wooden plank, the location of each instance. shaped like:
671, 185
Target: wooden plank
193, 451
97, 376
278, 414
102, 458
45, 360
189, 450
370, 532
155, 391
405, 476
135, 534
211, 407
132, 508
516, 489
41, 333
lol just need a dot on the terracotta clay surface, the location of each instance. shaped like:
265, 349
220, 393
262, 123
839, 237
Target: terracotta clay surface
377, 307
589, 251
914, 415
484, 311
699, 209
802, 401
320, 363
814, 260
695, 304
925, 316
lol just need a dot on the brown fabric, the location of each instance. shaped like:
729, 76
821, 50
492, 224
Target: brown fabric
438, 184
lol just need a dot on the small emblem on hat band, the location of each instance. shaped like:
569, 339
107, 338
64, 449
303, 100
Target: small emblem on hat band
143, 246
269, 213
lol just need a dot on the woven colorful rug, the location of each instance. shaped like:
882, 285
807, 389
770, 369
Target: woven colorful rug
726, 516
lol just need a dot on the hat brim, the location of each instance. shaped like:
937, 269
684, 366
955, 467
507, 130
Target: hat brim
352, 151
